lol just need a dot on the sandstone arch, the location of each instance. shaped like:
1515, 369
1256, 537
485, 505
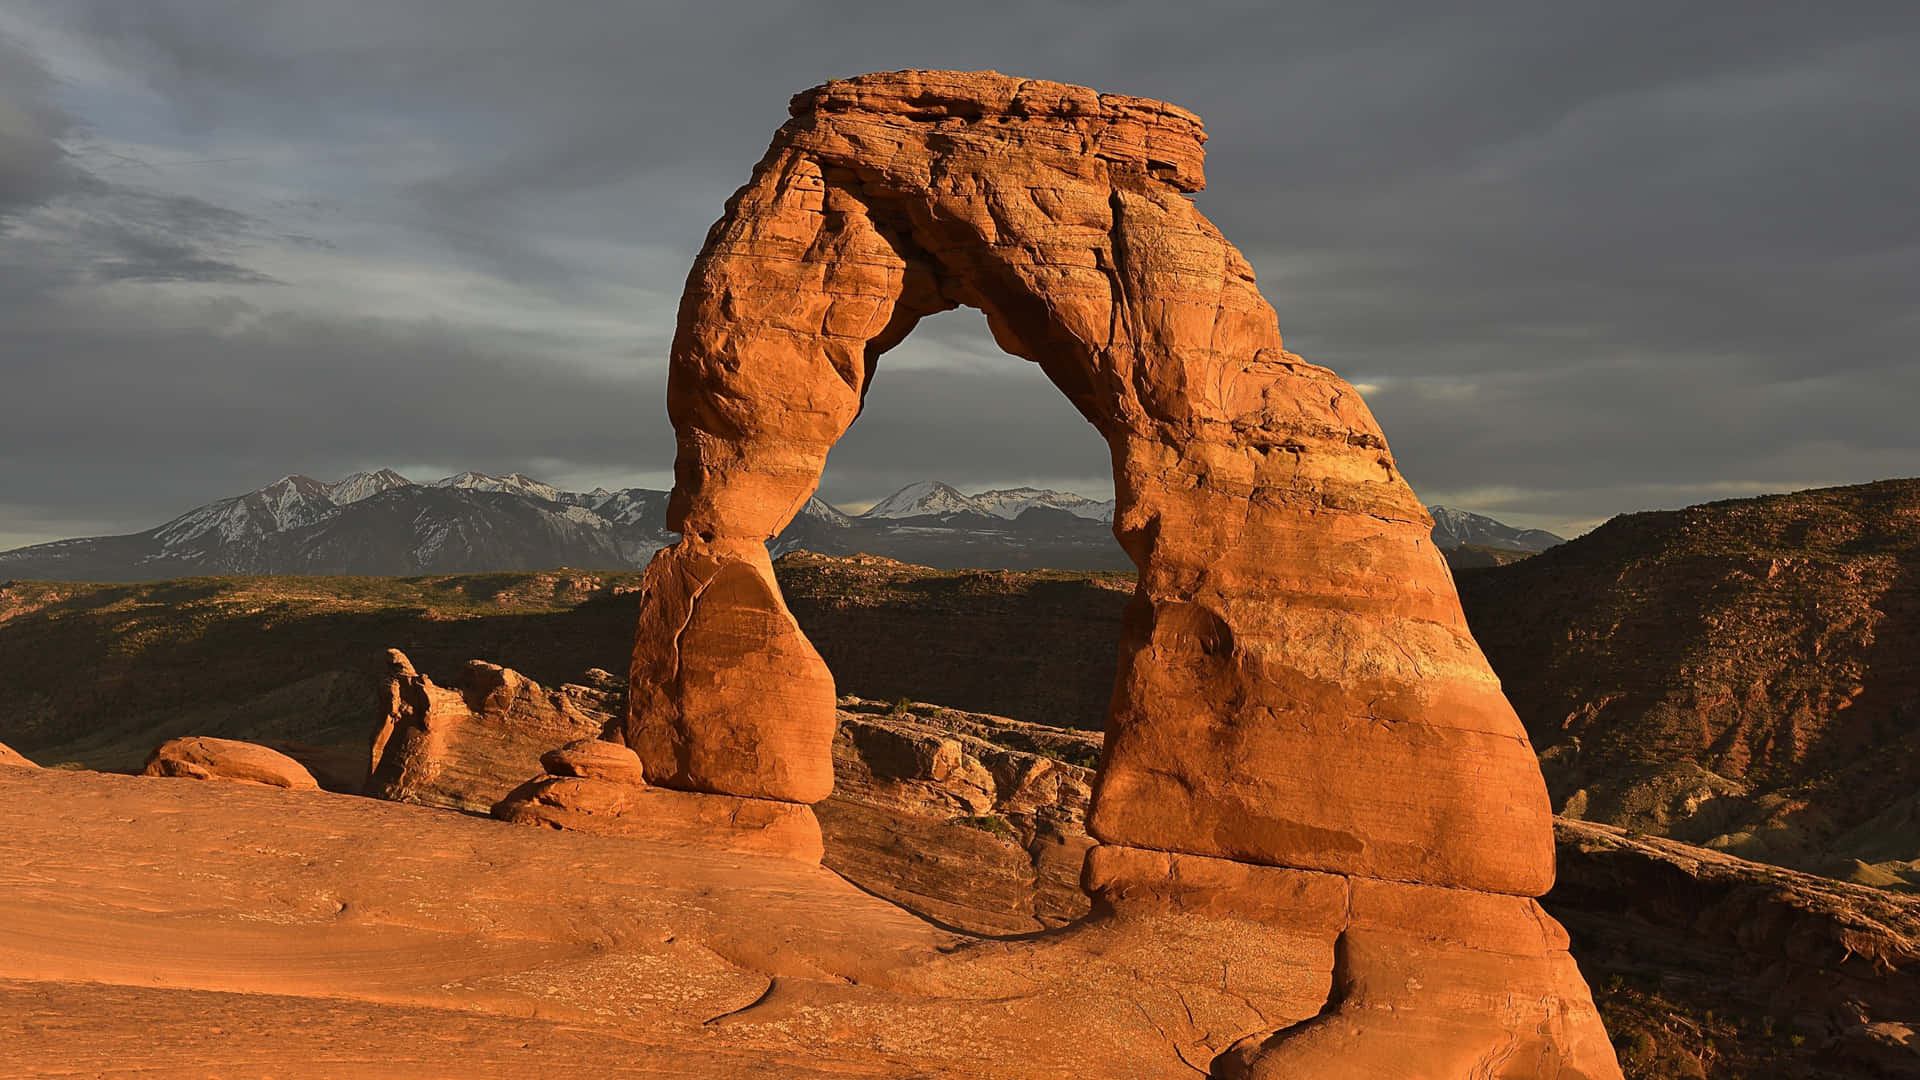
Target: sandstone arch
1297, 689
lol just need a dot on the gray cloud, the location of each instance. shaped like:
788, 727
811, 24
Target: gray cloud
1590, 258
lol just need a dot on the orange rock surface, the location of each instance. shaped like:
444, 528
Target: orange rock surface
201, 758
467, 745
183, 930
609, 806
595, 759
10, 756
1297, 685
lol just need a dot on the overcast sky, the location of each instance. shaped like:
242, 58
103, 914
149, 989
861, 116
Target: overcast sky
1582, 258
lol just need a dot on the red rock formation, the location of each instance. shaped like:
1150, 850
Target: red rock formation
467, 746
1297, 685
955, 815
662, 815
600, 787
9, 756
595, 759
199, 758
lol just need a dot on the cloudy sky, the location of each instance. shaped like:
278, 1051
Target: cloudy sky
1583, 258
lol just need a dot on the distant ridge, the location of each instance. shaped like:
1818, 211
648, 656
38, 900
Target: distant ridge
933, 498
382, 523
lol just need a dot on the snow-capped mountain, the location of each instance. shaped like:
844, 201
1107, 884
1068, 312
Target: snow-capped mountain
628, 506
820, 526
1010, 503
925, 499
1454, 528
381, 523
288, 503
364, 485
818, 509
512, 484
373, 523
932, 498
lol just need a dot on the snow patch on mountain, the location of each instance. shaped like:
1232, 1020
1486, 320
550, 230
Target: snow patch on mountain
818, 509
1010, 503
925, 498
288, 503
1454, 527
511, 484
364, 485
628, 506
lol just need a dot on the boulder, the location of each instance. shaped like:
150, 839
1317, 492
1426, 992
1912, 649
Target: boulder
8, 756
467, 745
201, 758
595, 759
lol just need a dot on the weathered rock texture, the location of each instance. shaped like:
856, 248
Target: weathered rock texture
1798, 954
1297, 686
199, 758
599, 787
467, 746
972, 820
9, 756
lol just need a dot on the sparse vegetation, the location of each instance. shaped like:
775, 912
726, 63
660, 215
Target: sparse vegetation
988, 823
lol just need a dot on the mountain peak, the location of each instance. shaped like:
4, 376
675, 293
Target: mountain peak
1453, 527
511, 484
935, 497
1010, 503
924, 498
363, 485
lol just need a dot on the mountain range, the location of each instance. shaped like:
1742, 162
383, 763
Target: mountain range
381, 523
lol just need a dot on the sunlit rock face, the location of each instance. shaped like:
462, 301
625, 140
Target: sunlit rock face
1297, 685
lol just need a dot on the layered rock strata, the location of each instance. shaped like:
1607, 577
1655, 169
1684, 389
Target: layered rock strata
467, 745
1297, 685
200, 758
599, 787
971, 820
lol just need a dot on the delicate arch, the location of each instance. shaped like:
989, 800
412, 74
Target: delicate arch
1297, 686
1302, 729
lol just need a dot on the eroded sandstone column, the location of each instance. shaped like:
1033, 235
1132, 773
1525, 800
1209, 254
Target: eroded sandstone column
1298, 692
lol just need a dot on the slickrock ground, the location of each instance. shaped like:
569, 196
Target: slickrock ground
1742, 674
161, 928
244, 924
